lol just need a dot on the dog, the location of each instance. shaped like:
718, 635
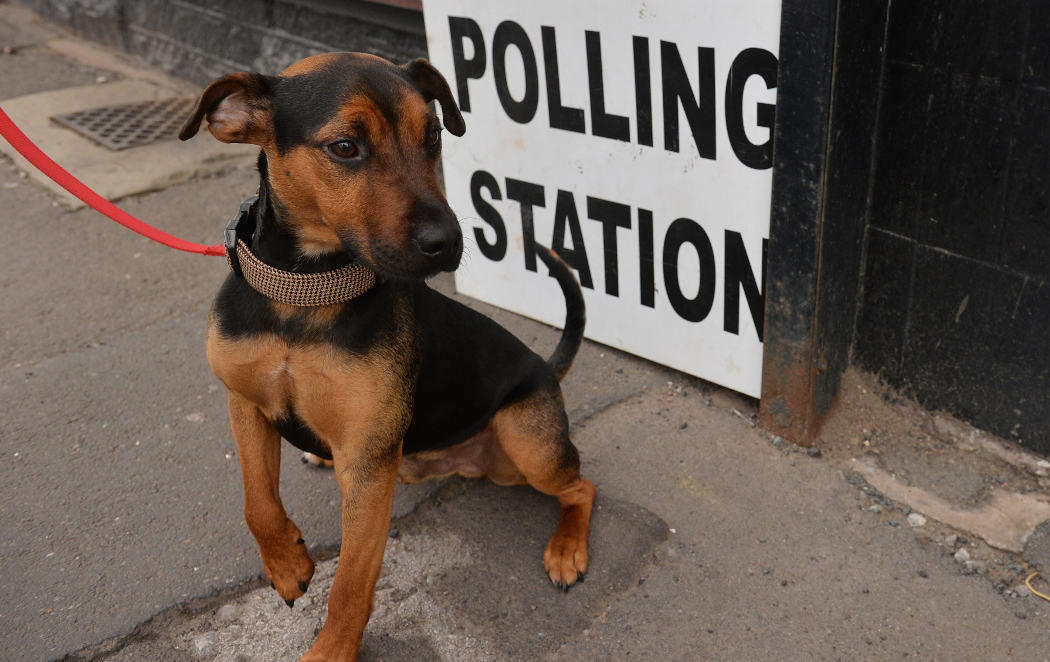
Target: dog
399, 380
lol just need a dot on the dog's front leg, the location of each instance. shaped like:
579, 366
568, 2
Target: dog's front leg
285, 559
366, 476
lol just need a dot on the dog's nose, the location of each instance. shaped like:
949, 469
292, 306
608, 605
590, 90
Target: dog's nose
432, 239
436, 235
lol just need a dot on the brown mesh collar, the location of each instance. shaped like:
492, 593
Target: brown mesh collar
323, 289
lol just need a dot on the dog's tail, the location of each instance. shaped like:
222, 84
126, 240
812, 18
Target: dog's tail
575, 318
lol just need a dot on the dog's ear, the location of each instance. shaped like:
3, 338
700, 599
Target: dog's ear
238, 108
432, 85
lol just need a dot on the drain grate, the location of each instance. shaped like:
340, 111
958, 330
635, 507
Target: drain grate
130, 124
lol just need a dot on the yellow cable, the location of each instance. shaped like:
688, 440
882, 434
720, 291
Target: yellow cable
1028, 583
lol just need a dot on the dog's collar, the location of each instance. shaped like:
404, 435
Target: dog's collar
295, 289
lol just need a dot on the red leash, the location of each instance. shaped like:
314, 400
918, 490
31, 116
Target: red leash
67, 181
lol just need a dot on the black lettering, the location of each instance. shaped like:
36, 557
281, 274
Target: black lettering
684, 230
562, 117
646, 275
700, 109
611, 215
509, 33
497, 249
750, 62
460, 28
527, 195
643, 92
603, 124
738, 274
565, 216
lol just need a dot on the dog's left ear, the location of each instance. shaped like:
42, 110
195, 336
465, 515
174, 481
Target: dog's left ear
432, 84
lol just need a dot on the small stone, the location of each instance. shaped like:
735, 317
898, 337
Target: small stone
203, 644
894, 522
227, 613
778, 441
707, 402
394, 533
875, 508
915, 519
923, 574
813, 451
951, 540
962, 556
683, 426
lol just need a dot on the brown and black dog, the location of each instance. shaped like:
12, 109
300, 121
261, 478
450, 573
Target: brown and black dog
401, 380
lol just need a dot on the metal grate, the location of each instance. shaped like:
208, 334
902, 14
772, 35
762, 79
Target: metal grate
131, 124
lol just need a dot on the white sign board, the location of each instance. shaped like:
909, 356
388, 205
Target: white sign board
636, 139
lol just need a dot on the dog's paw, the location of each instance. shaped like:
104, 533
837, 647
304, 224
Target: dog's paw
288, 566
317, 461
565, 558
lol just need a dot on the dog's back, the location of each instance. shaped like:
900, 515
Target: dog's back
472, 367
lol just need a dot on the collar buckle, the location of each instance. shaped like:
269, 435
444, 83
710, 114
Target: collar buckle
230, 234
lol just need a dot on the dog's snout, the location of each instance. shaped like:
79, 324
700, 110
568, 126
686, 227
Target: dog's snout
437, 235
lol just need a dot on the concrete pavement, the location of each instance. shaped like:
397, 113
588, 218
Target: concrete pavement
121, 496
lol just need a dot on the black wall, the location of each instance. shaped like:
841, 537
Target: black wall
956, 287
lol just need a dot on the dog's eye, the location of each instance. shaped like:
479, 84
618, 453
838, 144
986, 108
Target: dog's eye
343, 149
434, 137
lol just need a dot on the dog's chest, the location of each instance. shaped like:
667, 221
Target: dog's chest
323, 386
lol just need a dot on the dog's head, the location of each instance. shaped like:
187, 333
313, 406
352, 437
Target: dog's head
352, 152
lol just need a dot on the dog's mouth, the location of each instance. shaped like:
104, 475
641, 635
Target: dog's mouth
398, 263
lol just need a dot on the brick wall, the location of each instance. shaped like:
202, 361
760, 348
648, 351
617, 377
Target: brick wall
956, 289
202, 40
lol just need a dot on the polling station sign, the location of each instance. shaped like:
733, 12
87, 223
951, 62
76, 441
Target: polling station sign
636, 139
